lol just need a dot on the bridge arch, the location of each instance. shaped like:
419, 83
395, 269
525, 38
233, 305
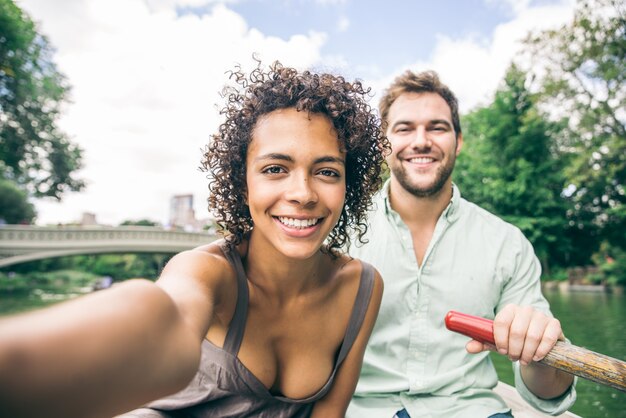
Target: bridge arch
21, 243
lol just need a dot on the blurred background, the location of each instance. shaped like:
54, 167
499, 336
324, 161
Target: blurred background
106, 106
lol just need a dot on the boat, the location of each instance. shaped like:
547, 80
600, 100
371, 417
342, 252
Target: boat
520, 407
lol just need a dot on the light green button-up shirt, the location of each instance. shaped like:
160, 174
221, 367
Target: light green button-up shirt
475, 263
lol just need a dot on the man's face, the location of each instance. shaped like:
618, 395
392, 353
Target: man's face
423, 141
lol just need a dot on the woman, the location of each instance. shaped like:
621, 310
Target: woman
273, 320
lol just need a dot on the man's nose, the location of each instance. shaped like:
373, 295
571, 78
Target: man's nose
421, 138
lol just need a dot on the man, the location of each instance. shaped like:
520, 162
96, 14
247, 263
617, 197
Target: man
438, 252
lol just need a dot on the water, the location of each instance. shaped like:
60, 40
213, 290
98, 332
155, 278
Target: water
594, 320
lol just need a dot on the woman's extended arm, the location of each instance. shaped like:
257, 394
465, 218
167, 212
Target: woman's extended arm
103, 353
335, 403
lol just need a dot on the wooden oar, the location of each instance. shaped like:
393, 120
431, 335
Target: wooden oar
567, 357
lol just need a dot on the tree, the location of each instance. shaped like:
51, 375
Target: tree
14, 205
141, 222
509, 167
581, 74
34, 152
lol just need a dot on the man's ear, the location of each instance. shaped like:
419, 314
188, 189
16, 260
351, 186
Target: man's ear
459, 143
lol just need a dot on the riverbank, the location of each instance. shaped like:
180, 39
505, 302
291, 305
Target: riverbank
566, 286
22, 292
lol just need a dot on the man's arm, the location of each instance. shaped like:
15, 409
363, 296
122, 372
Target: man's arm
524, 329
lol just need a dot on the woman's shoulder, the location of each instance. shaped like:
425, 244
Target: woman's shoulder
207, 254
351, 271
207, 263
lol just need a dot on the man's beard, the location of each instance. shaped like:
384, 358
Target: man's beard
443, 174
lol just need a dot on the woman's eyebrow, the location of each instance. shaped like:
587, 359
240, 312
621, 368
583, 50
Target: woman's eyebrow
330, 159
274, 156
285, 157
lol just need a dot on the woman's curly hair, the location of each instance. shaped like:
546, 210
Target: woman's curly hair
262, 92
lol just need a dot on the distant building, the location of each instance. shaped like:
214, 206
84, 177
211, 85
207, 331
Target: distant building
88, 219
182, 215
181, 211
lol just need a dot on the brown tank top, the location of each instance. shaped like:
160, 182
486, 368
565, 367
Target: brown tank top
224, 387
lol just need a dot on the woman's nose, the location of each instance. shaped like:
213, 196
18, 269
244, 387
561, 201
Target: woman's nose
301, 190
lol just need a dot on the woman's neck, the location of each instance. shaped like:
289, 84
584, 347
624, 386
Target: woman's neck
282, 276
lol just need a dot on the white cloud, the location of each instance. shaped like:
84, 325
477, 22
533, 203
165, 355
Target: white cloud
145, 89
517, 6
473, 66
173, 4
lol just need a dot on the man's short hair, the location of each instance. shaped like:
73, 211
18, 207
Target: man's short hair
424, 82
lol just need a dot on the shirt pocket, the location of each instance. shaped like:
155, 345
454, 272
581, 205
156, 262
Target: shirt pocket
472, 289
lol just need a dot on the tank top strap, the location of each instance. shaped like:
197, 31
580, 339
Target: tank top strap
359, 310
237, 325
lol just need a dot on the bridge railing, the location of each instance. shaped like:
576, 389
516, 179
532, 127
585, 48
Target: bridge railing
29, 233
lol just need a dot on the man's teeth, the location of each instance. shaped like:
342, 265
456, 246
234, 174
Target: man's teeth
298, 223
421, 160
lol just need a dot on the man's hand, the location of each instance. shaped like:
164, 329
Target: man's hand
521, 333
526, 334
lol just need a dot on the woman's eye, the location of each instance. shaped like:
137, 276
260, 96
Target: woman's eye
329, 173
274, 169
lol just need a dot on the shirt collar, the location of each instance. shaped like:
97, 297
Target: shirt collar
451, 213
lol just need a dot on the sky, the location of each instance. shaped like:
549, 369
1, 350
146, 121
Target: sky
146, 75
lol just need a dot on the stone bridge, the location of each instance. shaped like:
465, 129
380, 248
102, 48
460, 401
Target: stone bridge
21, 243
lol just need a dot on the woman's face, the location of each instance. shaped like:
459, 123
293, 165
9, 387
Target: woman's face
296, 183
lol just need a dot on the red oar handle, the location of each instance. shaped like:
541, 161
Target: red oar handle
480, 329
563, 356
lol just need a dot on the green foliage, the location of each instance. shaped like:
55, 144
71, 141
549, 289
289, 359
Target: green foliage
14, 205
558, 274
34, 153
126, 266
581, 79
44, 265
61, 281
549, 154
141, 222
612, 262
118, 266
509, 167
